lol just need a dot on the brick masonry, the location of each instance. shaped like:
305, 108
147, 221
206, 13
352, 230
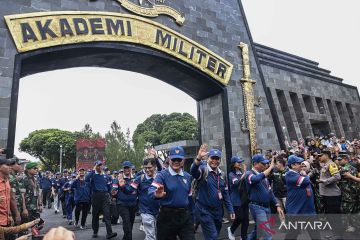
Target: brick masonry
218, 25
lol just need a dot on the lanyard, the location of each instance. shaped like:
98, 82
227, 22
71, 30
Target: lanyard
218, 181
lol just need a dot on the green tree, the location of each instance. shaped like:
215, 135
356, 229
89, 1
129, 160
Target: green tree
119, 147
162, 128
176, 130
87, 133
45, 144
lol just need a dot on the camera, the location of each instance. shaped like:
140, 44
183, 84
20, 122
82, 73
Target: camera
35, 230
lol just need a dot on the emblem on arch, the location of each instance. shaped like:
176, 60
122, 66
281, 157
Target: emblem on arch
152, 8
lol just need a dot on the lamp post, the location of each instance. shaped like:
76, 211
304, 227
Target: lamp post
61, 158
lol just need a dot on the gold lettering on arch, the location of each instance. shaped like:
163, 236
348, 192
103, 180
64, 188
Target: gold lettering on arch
32, 31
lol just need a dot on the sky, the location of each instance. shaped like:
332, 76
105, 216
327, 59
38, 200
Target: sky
326, 31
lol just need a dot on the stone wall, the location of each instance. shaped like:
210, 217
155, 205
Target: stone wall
306, 96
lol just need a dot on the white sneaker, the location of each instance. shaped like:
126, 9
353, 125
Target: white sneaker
142, 228
230, 234
82, 227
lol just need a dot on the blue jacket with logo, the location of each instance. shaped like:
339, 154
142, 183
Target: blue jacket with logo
213, 191
99, 182
300, 198
82, 192
234, 182
141, 186
259, 188
177, 187
56, 184
123, 199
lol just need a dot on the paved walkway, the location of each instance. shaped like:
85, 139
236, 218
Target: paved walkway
54, 220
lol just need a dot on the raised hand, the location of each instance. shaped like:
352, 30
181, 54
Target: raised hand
272, 163
152, 153
244, 168
160, 193
203, 151
121, 180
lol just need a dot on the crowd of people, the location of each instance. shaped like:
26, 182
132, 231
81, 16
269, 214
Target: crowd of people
313, 176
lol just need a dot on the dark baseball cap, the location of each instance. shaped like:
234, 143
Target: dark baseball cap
177, 153
325, 151
259, 158
98, 163
3, 160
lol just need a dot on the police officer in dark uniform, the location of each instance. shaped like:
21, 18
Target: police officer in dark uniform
172, 187
100, 188
260, 194
213, 192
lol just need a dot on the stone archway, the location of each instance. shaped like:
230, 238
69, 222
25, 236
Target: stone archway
45, 36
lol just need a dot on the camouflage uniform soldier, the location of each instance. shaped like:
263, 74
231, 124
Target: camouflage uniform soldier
314, 176
17, 184
349, 192
32, 206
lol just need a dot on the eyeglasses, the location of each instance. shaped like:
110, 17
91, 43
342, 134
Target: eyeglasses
176, 160
215, 158
126, 167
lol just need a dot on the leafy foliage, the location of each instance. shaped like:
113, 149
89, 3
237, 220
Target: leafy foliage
119, 148
158, 129
45, 145
162, 128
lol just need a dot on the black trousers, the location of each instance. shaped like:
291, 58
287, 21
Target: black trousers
46, 193
101, 203
173, 223
114, 215
241, 217
82, 207
128, 217
332, 207
63, 205
332, 204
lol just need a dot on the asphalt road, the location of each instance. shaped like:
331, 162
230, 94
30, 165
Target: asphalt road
54, 220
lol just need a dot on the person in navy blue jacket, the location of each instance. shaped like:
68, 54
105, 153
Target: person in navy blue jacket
45, 185
100, 199
300, 197
55, 191
212, 194
149, 207
126, 203
172, 187
236, 177
69, 198
64, 179
82, 197
261, 195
